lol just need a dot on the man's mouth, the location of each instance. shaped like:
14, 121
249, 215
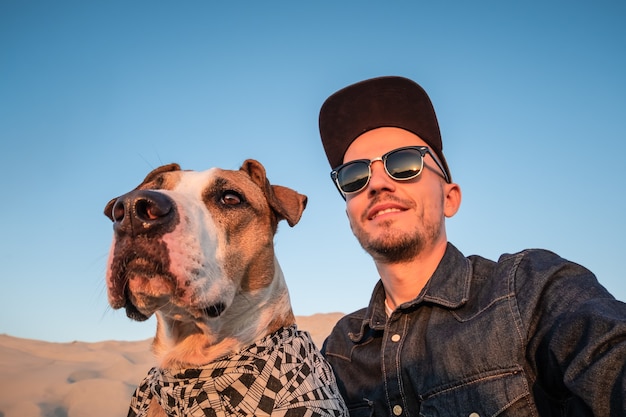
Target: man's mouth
385, 211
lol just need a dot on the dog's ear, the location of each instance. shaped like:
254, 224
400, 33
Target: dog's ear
285, 202
155, 172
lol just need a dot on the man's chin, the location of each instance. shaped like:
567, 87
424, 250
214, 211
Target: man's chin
392, 251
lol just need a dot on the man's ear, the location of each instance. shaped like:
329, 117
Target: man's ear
452, 199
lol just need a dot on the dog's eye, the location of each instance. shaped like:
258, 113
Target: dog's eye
231, 198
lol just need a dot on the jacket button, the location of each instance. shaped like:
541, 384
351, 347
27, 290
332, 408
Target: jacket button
395, 338
474, 415
397, 410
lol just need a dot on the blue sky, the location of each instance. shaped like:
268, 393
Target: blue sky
531, 99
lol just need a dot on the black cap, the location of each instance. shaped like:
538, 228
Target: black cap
378, 102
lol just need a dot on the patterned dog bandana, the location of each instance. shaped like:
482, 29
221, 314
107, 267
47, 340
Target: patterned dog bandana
282, 375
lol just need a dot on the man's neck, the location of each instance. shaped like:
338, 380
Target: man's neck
404, 281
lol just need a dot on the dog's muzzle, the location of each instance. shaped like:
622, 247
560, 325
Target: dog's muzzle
140, 218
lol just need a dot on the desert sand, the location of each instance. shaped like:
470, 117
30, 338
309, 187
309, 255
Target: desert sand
43, 379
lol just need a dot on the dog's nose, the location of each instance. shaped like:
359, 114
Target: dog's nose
142, 212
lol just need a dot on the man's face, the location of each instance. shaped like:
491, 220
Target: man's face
395, 221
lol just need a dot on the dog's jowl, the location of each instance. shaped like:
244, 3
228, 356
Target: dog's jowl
196, 250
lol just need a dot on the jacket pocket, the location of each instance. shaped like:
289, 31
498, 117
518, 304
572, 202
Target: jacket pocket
489, 396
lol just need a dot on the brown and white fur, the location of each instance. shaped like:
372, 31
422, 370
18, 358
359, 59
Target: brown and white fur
196, 249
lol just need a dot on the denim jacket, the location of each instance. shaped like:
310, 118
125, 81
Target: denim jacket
529, 335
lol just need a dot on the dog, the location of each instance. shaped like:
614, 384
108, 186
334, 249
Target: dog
196, 250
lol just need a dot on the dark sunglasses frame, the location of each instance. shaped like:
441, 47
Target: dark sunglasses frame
422, 150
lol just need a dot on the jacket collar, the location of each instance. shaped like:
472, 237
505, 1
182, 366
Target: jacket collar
448, 287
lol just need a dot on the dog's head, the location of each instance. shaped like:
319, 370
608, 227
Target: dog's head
187, 243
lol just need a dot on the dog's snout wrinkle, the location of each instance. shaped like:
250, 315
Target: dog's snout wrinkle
143, 212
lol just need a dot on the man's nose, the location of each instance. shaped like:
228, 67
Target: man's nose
380, 180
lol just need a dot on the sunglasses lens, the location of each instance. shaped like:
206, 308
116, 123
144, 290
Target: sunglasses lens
404, 164
353, 177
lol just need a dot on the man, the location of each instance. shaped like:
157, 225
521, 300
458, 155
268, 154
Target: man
447, 335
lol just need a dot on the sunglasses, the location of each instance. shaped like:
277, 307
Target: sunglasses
401, 164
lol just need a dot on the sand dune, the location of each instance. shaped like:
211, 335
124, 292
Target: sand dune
42, 379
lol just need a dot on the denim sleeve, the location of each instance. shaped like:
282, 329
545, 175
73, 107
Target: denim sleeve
576, 336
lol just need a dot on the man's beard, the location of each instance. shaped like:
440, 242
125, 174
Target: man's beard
397, 246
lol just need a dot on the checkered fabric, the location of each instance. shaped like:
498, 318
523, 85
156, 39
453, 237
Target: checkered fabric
283, 375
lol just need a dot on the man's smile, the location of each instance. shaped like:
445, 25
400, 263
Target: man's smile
381, 210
